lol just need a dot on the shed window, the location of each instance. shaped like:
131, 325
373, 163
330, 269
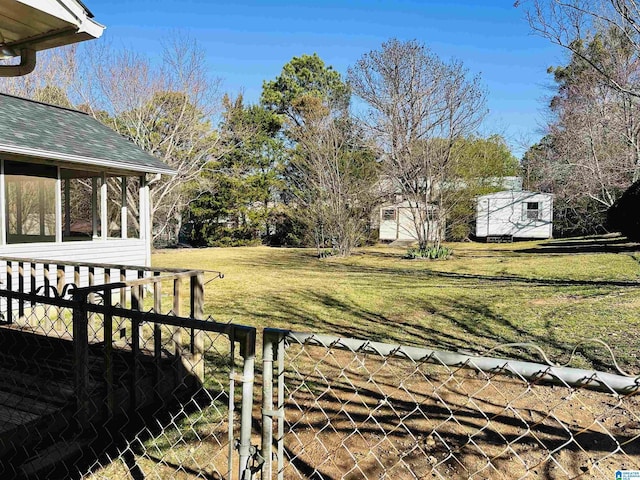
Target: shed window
389, 214
531, 211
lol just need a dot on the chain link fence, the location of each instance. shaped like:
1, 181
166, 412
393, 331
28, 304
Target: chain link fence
105, 377
344, 408
106, 381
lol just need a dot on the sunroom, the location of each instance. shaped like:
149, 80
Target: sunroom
71, 188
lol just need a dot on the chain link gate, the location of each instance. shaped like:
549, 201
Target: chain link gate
354, 409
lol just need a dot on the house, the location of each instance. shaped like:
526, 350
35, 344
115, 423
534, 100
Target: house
514, 214
398, 222
77, 363
62, 178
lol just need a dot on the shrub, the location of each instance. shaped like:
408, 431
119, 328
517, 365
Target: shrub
623, 215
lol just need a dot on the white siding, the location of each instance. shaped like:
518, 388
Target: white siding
502, 214
116, 251
403, 227
388, 229
128, 252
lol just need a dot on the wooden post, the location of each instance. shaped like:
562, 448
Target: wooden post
67, 207
104, 216
123, 210
135, 353
81, 358
145, 218
197, 337
177, 311
94, 206
60, 273
176, 337
58, 215
135, 389
33, 320
3, 210
136, 301
46, 272
21, 290
140, 294
106, 276
157, 340
32, 285
9, 282
92, 282
123, 290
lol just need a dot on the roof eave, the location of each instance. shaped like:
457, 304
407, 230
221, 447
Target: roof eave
75, 24
80, 160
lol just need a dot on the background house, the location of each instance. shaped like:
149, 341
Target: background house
514, 214
397, 219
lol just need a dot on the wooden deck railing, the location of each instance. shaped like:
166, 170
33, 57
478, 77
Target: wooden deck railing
114, 306
54, 278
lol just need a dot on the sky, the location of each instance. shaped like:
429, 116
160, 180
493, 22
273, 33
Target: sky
248, 41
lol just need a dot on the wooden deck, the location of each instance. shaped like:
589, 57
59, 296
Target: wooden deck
39, 431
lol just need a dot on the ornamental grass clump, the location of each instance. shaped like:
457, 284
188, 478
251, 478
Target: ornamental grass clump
439, 252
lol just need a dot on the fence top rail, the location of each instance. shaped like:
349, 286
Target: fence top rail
132, 283
235, 332
110, 266
530, 371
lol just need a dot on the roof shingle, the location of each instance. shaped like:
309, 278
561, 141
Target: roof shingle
45, 131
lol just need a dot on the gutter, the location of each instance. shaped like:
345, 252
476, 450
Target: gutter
78, 159
27, 64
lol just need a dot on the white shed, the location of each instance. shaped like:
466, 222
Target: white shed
514, 214
397, 222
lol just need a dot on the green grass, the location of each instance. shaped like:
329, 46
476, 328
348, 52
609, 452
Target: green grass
553, 293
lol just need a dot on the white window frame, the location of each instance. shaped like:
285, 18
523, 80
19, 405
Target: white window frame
527, 212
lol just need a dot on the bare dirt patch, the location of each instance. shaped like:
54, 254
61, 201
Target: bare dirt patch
359, 417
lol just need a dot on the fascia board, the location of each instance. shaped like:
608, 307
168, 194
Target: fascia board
76, 159
68, 11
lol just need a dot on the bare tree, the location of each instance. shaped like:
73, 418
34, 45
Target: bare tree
593, 140
166, 109
335, 175
571, 23
50, 82
418, 107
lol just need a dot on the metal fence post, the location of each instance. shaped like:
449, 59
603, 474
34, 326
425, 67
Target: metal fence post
267, 403
248, 353
280, 405
273, 345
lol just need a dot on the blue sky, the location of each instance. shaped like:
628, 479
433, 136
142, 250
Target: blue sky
248, 41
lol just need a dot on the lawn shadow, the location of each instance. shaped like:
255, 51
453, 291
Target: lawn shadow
596, 244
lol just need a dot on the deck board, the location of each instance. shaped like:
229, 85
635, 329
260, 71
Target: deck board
37, 396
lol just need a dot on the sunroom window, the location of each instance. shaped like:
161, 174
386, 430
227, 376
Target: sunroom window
30, 203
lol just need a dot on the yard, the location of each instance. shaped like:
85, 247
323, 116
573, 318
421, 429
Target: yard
363, 415
552, 293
